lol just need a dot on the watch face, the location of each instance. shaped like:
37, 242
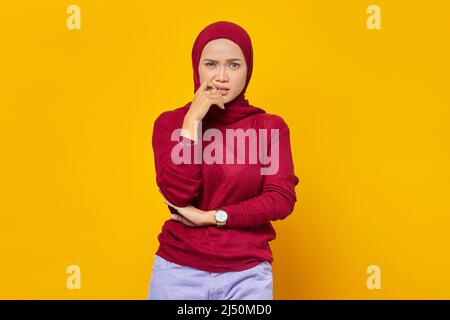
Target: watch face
221, 216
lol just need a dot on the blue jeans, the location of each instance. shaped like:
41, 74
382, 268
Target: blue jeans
171, 281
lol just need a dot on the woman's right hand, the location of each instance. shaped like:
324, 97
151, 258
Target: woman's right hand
204, 98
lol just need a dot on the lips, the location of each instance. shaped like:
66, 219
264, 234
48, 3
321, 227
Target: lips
221, 87
222, 91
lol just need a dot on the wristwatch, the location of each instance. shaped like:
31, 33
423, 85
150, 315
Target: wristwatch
221, 217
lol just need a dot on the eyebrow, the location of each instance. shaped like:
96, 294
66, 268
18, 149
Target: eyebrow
234, 59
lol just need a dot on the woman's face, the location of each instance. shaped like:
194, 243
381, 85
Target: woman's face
224, 59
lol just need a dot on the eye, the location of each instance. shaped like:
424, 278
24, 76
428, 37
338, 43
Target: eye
209, 64
234, 65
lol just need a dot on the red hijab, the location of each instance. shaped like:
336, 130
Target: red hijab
239, 107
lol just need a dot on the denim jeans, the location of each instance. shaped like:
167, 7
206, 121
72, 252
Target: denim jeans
171, 281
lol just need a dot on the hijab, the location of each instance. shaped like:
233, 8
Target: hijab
239, 107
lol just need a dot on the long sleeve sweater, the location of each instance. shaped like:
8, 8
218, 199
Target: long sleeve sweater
251, 199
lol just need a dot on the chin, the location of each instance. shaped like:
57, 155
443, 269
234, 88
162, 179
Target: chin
228, 98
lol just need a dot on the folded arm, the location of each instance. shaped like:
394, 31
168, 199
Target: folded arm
278, 196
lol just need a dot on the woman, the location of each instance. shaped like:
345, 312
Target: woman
222, 201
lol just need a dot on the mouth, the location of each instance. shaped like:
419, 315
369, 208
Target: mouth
222, 90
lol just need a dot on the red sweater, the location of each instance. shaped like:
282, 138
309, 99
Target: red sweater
251, 199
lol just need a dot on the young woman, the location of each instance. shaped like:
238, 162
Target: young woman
225, 170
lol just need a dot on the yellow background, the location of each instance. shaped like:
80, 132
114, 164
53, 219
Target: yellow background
368, 112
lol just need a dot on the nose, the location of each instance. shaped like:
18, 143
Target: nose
222, 75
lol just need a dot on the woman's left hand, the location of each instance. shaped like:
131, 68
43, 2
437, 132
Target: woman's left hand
192, 216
